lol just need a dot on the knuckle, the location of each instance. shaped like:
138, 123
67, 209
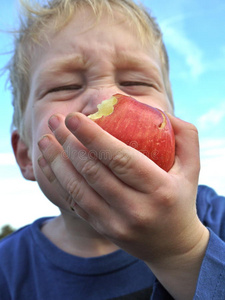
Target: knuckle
118, 232
126, 228
74, 188
192, 128
90, 170
167, 197
120, 162
139, 219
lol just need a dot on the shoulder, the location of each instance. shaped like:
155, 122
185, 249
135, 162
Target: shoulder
17, 254
207, 192
207, 196
18, 248
8, 242
211, 210
18, 242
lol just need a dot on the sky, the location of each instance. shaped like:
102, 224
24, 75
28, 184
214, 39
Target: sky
195, 40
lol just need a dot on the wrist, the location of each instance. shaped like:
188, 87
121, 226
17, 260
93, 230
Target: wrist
179, 272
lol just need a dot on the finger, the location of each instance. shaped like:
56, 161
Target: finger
97, 175
70, 180
187, 147
62, 194
128, 164
87, 204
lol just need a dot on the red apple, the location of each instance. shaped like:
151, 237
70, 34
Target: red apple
140, 126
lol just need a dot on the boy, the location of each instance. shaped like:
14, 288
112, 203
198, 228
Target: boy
69, 56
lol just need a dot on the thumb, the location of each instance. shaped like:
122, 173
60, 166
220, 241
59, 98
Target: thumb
187, 147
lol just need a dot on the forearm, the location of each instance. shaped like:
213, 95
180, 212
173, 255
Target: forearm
179, 273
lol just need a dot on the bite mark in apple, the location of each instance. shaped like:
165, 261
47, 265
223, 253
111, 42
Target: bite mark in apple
105, 108
163, 124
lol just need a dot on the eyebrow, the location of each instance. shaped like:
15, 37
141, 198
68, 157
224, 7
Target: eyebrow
67, 63
72, 62
123, 59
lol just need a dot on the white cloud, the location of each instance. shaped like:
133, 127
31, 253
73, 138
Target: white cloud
192, 54
212, 173
212, 117
22, 202
7, 159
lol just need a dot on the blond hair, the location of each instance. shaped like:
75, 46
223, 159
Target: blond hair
36, 18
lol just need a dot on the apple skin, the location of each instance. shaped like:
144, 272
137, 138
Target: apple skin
142, 127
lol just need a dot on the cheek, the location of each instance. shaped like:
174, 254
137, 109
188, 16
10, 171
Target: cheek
49, 189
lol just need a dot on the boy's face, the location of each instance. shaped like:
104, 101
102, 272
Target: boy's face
82, 65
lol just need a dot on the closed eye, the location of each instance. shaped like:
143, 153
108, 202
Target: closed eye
65, 88
135, 83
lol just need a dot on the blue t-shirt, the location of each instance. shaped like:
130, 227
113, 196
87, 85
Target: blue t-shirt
31, 267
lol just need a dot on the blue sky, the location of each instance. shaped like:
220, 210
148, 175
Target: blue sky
195, 39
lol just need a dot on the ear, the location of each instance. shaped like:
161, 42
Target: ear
21, 152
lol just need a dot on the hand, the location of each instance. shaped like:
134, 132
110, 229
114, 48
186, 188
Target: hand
126, 197
119, 191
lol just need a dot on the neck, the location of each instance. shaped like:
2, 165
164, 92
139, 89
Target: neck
74, 236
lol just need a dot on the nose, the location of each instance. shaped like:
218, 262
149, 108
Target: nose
96, 96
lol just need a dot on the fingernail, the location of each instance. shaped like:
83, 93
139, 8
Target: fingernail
72, 122
53, 122
42, 162
43, 142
